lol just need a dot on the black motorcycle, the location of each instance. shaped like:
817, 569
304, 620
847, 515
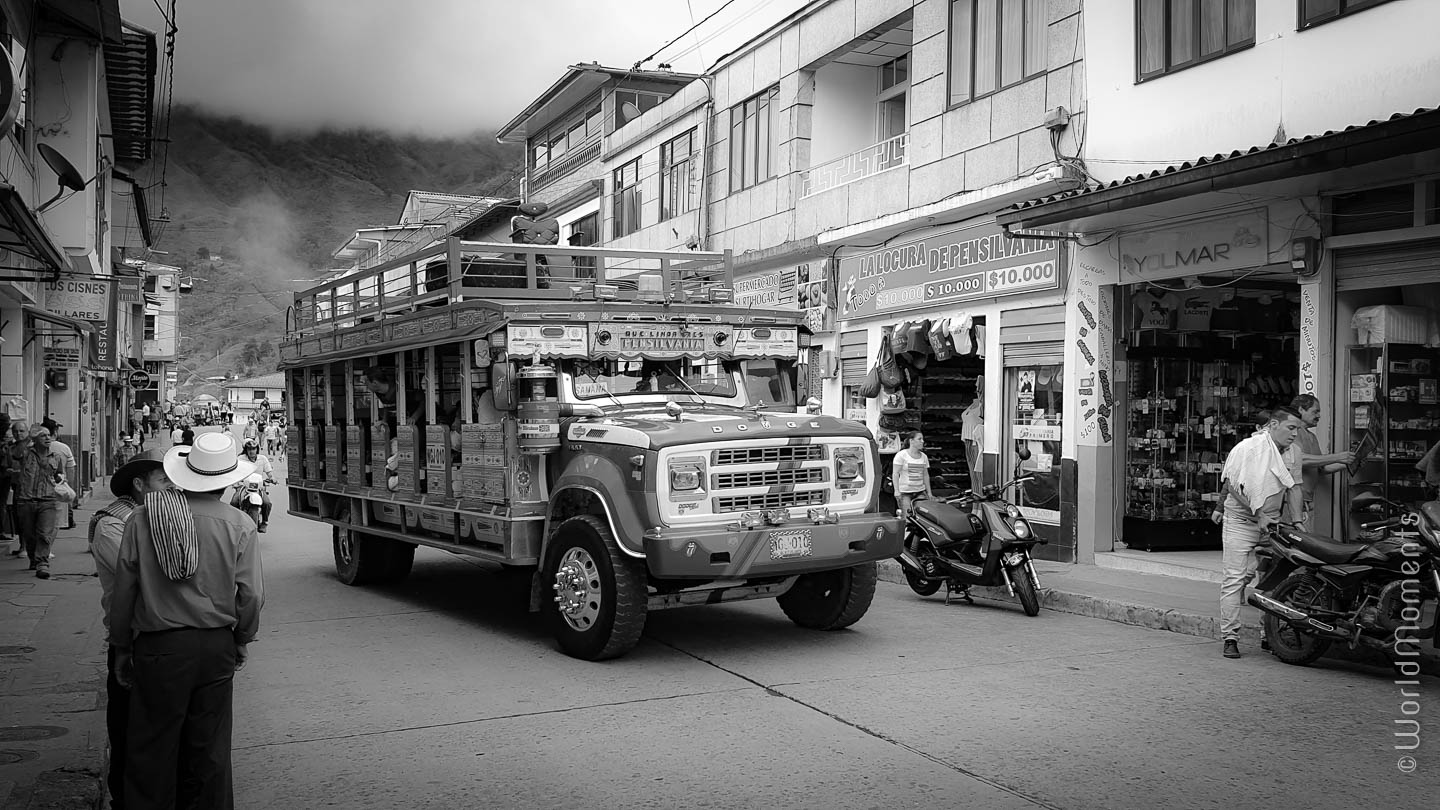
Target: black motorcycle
971, 539
1314, 591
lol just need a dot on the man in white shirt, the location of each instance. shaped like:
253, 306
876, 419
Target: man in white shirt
265, 468
1257, 477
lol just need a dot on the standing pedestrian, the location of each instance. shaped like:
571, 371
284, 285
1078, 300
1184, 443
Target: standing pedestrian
15, 443
137, 421
140, 475
1315, 464
36, 470
71, 470
1257, 478
911, 472
187, 436
187, 602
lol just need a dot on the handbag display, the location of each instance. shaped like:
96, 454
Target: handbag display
890, 374
871, 387
892, 400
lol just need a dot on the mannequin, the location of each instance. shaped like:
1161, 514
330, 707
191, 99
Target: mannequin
972, 431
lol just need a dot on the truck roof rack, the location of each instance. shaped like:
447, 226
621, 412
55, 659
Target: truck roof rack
454, 271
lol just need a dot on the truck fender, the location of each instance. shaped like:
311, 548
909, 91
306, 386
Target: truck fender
593, 479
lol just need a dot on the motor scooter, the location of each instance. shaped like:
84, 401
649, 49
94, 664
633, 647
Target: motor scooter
975, 538
249, 497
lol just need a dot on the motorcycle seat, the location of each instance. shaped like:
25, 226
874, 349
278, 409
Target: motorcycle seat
1321, 548
952, 520
1431, 510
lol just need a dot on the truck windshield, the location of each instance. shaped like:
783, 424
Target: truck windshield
610, 378
770, 382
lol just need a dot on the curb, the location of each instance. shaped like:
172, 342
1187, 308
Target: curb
1155, 618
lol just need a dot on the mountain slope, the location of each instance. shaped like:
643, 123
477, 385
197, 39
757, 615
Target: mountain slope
254, 215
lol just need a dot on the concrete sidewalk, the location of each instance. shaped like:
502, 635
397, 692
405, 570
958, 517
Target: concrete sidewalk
1156, 601
52, 675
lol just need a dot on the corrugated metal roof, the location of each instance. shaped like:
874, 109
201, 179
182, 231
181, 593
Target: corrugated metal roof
1095, 188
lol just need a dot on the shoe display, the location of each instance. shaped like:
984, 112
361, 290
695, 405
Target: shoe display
1232, 648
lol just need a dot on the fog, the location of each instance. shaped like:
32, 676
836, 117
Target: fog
424, 67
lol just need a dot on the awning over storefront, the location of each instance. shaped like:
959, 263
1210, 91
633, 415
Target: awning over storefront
78, 327
1313, 155
22, 233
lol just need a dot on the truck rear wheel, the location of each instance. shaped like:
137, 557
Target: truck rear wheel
364, 559
831, 600
597, 610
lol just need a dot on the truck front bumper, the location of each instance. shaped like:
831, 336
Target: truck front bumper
797, 547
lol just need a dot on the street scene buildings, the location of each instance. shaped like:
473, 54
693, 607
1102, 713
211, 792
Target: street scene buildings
894, 296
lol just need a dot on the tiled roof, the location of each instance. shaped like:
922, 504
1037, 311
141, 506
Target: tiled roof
1095, 188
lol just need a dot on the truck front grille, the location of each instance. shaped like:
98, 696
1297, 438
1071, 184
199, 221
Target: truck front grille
769, 500
770, 478
769, 455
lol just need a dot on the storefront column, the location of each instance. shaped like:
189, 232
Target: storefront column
1094, 398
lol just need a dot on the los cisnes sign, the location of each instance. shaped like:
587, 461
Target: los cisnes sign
957, 265
81, 299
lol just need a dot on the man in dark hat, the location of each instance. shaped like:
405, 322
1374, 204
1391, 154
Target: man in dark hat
141, 474
68, 515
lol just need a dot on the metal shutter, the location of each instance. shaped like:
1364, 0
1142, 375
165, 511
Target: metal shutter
1033, 336
854, 358
1394, 265
1039, 353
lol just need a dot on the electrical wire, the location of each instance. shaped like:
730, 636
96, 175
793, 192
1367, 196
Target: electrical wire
711, 16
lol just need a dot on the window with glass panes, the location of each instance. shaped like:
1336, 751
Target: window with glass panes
752, 140
677, 187
626, 198
894, 83
630, 104
995, 44
555, 142
1314, 12
1171, 35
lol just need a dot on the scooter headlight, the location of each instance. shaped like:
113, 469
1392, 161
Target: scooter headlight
1021, 529
1012, 511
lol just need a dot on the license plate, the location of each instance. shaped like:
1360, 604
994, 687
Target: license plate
784, 545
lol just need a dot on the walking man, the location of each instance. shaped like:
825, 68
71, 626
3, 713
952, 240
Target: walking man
1257, 478
187, 602
36, 469
140, 475
71, 471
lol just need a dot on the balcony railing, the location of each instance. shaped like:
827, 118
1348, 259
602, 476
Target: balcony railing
858, 165
565, 165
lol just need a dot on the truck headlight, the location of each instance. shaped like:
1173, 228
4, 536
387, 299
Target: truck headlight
849, 464
685, 477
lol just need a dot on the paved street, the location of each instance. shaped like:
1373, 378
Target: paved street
438, 693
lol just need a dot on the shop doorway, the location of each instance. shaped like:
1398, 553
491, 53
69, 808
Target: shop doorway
1205, 360
1034, 411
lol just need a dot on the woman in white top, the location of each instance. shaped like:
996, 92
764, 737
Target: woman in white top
911, 472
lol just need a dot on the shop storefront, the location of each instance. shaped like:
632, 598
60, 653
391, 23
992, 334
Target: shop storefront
1386, 346
976, 322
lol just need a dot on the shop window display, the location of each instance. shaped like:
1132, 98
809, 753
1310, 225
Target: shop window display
1394, 409
1203, 365
1037, 398
940, 397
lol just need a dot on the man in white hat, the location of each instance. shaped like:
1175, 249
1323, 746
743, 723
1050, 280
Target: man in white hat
187, 601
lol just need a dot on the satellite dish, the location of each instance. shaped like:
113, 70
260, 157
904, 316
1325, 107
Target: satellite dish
65, 171
630, 111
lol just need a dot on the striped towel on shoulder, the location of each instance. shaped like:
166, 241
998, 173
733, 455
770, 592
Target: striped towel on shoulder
172, 530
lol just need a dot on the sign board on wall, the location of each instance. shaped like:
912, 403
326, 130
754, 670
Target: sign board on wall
758, 291
62, 357
962, 264
1232, 242
83, 299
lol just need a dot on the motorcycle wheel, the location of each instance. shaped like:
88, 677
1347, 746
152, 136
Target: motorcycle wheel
1025, 590
1288, 643
921, 585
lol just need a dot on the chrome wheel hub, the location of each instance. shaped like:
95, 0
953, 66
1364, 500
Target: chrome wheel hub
345, 543
577, 589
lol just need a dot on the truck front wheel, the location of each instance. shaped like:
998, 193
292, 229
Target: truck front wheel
831, 600
597, 605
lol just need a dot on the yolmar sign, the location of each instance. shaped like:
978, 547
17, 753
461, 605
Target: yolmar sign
963, 264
